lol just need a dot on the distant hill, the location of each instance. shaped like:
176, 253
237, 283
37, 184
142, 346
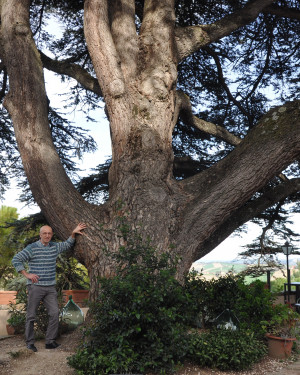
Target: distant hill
214, 269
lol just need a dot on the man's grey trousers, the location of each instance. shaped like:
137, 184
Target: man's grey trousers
48, 295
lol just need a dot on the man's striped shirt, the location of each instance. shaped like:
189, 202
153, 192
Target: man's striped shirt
41, 259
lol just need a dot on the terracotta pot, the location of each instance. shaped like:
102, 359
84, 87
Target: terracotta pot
7, 296
279, 347
10, 329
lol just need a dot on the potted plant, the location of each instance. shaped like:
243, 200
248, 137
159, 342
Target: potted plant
16, 323
282, 331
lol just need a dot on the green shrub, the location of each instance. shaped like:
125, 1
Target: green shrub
139, 322
226, 349
253, 306
17, 320
214, 296
277, 285
284, 322
17, 310
142, 317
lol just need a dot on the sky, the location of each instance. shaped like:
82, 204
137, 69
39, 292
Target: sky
227, 251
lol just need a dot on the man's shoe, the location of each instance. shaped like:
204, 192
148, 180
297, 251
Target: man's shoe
53, 345
31, 347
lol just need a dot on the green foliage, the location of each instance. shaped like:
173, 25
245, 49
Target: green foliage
277, 285
222, 294
143, 315
211, 297
284, 322
251, 304
18, 310
17, 319
138, 319
296, 273
15, 235
70, 274
226, 349
7, 246
254, 304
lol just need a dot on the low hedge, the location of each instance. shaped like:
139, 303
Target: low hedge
226, 349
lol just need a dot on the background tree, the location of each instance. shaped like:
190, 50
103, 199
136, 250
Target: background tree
185, 85
262, 254
7, 245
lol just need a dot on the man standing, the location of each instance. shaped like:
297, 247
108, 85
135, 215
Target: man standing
41, 278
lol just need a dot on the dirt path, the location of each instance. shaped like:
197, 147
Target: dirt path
16, 359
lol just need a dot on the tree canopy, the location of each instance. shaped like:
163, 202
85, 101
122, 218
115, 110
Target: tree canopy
188, 88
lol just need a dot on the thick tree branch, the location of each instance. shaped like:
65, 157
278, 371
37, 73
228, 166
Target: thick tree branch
122, 17
248, 212
72, 70
102, 48
158, 69
230, 183
185, 110
216, 131
186, 114
191, 39
207, 127
28, 106
286, 12
108, 69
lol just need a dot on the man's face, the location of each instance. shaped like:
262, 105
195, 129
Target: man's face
46, 234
